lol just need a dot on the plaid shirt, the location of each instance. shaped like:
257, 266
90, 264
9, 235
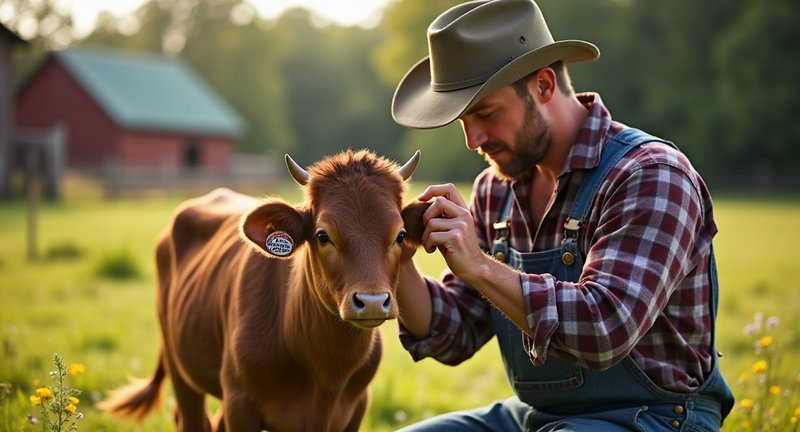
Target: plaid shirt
644, 289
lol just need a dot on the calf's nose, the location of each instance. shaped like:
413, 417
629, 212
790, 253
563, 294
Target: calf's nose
369, 305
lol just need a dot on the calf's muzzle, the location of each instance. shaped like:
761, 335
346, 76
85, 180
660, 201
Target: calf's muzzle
369, 309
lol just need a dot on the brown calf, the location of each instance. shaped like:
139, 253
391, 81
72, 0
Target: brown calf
287, 344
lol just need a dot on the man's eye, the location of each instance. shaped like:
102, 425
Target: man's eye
322, 237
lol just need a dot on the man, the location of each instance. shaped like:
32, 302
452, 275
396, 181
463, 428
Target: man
586, 248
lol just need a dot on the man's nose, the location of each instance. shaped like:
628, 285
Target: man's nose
474, 135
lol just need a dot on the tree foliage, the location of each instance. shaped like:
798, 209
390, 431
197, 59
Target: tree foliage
720, 82
334, 99
405, 26
229, 46
42, 24
757, 65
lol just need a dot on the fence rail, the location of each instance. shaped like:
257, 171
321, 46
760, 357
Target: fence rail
247, 172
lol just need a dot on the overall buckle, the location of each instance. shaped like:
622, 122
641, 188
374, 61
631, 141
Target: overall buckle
571, 228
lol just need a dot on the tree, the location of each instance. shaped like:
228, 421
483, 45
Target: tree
757, 64
43, 24
243, 62
405, 24
334, 99
233, 49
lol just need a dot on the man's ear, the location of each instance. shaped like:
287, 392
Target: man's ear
275, 228
543, 85
412, 218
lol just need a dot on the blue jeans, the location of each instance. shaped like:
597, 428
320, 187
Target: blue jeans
507, 415
513, 415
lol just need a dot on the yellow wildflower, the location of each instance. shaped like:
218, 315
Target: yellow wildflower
36, 400
760, 366
44, 393
71, 408
793, 420
765, 341
743, 377
76, 369
746, 403
775, 390
74, 400
797, 411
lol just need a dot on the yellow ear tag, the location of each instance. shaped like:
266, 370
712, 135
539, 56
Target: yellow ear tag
279, 243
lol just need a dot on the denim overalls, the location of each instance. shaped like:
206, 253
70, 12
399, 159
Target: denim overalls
560, 389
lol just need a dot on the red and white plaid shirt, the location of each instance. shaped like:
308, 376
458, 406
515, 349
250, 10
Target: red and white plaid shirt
644, 289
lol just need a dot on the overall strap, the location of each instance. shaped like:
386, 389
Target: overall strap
502, 228
613, 151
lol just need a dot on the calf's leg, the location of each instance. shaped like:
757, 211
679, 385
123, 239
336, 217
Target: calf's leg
191, 413
240, 414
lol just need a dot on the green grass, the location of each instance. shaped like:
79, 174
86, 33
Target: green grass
73, 301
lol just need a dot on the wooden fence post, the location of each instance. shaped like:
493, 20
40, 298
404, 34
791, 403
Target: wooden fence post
32, 193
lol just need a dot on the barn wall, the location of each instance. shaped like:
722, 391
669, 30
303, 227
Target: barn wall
140, 149
217, 153
53, 96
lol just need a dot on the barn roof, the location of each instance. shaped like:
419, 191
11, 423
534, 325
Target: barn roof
151, 92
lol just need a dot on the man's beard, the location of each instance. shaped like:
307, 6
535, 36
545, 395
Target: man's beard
530, 146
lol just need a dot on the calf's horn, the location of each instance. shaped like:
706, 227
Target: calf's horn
409, 167
298, 173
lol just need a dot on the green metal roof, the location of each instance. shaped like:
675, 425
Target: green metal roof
150, 92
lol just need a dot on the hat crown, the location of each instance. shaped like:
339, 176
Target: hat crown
472, 41
476, 48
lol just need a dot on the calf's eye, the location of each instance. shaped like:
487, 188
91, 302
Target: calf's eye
322, 237
401, 236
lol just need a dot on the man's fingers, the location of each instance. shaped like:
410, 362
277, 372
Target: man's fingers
447, 213
443, 208
447, 191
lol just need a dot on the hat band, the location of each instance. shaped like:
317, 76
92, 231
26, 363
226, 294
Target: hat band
458, 85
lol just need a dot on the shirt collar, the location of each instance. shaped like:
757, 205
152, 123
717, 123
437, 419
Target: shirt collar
585, 151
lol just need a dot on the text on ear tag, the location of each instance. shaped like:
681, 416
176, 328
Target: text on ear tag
279, 243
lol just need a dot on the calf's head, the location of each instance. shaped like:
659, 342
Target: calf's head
351, 230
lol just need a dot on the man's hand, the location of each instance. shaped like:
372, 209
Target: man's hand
449, 227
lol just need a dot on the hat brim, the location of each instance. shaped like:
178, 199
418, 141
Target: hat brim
415, 105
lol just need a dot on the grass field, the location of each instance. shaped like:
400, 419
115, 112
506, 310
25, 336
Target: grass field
90, 298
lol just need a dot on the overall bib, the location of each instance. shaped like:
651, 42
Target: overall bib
622, 395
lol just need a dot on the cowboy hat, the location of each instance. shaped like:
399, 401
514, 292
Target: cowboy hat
476, 48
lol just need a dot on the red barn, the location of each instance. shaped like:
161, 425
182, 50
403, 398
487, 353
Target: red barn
129, 110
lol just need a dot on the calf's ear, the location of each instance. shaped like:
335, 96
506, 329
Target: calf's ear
275, 228
412, 219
